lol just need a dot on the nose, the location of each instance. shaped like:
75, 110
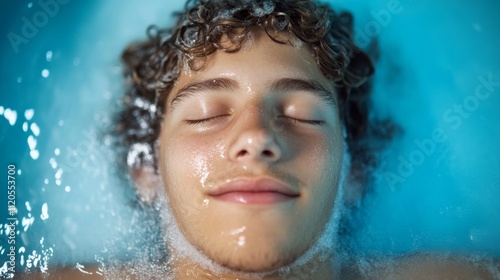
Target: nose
254, 141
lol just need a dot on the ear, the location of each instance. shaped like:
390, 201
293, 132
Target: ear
146, 180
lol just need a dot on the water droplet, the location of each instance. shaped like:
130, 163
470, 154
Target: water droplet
25, 126
34, 154
67, 188
60, 123
45, 212
58, 173
46, 181
57, 151
10, 115
28, 114
48, 56
53, 163
45, 73
31, 142
19, 80
241, 240
35, 129
30, 4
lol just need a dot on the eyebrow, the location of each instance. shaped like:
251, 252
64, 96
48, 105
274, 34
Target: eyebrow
282, 86
191, 89
312, 86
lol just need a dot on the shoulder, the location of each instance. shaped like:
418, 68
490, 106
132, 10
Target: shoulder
63, 273
425, 266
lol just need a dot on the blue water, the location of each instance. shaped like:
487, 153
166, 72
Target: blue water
66, 79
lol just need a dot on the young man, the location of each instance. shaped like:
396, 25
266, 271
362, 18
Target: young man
245, 117
240, 125
239, 115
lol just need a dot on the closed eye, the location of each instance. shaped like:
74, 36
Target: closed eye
304, 121
205, 120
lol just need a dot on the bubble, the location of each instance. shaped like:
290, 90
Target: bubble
48, 56
45, 212
76, 61
30, 4
67, 188
28, 114
10, 115
34, 154
138, 152
27, 222
57, 152
32, 142
58, 173
25, 126
19, 80
35, 129
45, 73
53, 163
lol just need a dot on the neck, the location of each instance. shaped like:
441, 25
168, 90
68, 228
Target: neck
319, 267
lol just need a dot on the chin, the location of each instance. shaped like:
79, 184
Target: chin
256, 261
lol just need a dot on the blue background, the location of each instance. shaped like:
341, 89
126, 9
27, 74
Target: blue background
432, 55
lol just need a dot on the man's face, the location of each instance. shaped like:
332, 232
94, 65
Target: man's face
250, 154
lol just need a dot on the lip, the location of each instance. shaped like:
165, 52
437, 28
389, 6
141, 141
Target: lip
255, 191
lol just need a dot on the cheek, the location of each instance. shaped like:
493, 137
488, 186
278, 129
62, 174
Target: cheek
187, 162
321, 165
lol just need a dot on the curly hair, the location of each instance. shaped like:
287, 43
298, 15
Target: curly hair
153, 66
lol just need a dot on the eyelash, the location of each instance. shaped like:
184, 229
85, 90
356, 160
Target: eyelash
205, 120
290, 119
312, 122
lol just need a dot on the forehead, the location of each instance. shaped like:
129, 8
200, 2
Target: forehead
259, 61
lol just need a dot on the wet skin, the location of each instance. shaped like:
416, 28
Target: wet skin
250, 154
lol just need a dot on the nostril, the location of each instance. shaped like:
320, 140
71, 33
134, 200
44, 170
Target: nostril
267, 153
242, 153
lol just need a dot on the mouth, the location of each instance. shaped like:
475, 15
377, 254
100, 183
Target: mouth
250, 191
